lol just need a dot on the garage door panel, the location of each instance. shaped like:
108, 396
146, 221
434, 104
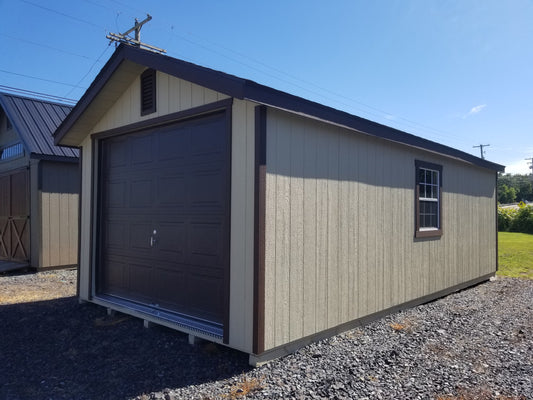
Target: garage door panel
116, 194
141, 193
205, 248
207, 141
141, 150
171, 191
140, 281
171, 241
172, 289
208, 189
172, 145
208, 307
139, 235
114, 279
180, 190
116, 154
116, 235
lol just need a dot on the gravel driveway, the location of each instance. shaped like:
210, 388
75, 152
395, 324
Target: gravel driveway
475, 344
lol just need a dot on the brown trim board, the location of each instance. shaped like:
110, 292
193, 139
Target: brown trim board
259, 230
80, 187
168, 118
227, 275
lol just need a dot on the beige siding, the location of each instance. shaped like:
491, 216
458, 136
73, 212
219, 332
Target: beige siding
58, 197
340, 227
173, 94
242, 226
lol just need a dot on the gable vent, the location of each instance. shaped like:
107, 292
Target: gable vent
148, 92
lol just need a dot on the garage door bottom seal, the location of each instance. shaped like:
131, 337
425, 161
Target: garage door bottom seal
180, 320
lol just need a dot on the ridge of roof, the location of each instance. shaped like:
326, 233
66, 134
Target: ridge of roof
245, 89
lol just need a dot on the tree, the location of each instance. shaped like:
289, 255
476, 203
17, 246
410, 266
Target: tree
506, 194
513, 188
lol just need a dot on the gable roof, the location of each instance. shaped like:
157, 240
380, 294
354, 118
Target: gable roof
35, 121
127, 62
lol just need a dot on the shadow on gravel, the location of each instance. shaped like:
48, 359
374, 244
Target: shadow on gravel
59, 349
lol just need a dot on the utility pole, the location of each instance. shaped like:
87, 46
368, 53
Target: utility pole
481, 149
124, 38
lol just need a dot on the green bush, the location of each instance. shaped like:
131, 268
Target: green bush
505, 218
516, 220
523, 220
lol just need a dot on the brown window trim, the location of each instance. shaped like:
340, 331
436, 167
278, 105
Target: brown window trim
430, 233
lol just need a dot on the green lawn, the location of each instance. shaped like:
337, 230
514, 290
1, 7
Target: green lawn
515, 255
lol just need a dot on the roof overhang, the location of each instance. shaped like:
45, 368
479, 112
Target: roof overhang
128, 62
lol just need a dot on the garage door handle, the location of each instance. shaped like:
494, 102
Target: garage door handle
152, 238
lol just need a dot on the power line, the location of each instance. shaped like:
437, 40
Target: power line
63, 14
88, 72
32, 93
45, 46
40, 79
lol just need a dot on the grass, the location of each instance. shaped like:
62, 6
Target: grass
515, 255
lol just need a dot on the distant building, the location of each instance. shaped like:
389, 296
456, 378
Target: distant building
39, 186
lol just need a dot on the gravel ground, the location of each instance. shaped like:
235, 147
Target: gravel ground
475, 344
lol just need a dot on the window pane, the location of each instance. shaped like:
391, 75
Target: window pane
421, 175
428, 176
429, 214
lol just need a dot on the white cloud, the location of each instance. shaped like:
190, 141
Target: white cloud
474, 110
518, 167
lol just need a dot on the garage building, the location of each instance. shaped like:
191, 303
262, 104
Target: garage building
260, 220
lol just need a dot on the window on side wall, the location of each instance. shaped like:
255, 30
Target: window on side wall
428, 194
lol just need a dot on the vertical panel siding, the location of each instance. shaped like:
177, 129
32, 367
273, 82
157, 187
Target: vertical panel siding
58, 197
340, 227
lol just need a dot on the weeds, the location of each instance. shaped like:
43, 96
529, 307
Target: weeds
244, 387
404, 326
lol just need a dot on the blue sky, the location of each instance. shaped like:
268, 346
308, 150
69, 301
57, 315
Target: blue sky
456, 72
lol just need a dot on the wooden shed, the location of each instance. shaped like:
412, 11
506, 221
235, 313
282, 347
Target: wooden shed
260, 220
39, 186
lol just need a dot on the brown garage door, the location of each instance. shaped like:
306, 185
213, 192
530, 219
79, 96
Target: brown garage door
165, 221
14, 216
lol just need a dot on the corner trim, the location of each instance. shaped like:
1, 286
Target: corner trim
259, 230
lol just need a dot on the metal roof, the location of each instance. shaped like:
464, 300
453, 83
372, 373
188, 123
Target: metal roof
35, 121
128, 62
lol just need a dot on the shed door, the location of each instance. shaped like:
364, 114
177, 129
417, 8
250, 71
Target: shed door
165, 220
15, 216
